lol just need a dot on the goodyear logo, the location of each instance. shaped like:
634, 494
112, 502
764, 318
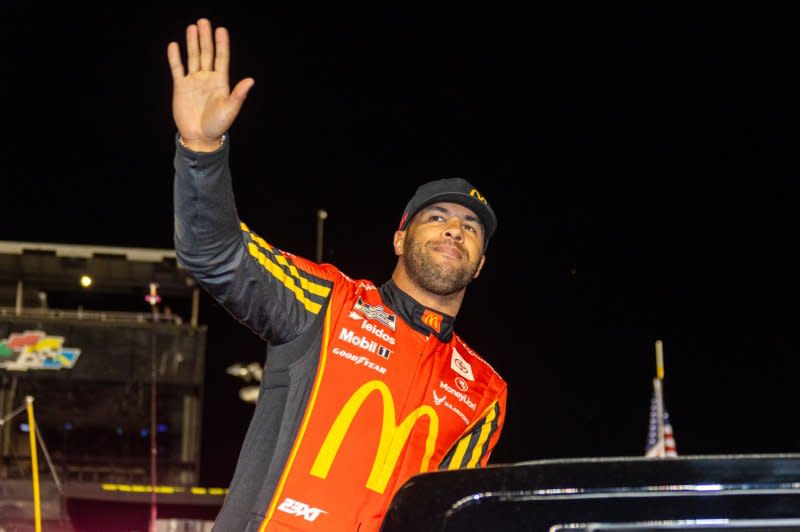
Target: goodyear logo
36, 350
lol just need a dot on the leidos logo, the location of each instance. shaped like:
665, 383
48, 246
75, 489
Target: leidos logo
432, 320
461, 366
392, 437
371, 327
377, 331
300, 509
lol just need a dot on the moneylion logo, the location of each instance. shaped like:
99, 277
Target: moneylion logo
432, 320
393, 436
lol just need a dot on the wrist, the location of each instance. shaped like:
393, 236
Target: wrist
202, 145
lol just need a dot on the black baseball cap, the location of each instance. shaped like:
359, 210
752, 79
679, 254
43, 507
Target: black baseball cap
453, 190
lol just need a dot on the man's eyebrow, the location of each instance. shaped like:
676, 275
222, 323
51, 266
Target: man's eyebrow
444, 210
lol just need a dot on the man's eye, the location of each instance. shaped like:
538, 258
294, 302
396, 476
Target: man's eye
436, 218
470, 228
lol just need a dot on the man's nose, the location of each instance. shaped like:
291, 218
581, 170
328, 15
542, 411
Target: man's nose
453, 230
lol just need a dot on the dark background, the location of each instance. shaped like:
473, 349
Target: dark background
641, 161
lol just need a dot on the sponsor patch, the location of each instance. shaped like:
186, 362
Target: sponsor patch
432, 320
461, 396
438, 400
442, 401
300, 509
377, 331
384, 352
363, 342
376, 312
461, 366
359, 360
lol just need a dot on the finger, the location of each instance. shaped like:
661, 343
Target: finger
206, 44
192, 49
239, 94
241, 89
222, 59
174, 58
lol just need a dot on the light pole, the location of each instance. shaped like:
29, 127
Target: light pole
153, 298
322, 214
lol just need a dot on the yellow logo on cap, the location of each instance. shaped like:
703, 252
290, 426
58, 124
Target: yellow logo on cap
477, 195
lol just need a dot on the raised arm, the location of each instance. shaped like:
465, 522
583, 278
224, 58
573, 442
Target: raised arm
203, 105
275, 294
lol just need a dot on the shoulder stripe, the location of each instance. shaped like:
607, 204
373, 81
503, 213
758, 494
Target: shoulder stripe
314, 288
305, 290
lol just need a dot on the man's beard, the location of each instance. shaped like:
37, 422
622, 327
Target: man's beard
432, 276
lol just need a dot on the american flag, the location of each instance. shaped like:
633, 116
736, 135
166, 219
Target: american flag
651, 450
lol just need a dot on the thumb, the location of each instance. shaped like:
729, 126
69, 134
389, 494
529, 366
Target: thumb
239, 93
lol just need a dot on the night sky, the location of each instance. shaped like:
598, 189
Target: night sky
641, 161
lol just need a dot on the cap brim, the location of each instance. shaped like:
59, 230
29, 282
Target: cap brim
483, 212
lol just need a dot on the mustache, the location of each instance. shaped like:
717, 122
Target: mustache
450, 243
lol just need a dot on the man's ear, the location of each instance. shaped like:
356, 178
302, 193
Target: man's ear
480, 267
399, 241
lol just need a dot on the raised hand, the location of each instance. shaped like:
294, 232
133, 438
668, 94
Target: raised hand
203, 105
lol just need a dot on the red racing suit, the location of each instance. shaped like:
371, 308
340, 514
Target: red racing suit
363, 386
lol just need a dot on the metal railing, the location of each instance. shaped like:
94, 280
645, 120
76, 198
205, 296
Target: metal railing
90, 315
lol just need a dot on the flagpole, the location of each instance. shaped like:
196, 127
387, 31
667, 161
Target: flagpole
37, 508
659, 397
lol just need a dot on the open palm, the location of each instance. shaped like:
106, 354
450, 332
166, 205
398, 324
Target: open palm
203, 105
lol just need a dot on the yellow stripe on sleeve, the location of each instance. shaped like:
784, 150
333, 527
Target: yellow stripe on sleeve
458, 454
281, 276
294, 281
314, 288
486, 429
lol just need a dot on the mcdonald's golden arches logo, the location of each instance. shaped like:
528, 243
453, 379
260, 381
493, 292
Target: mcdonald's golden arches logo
432, 320
393, 436
477, 195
